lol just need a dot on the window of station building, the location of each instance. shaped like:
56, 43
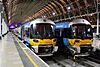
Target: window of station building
83, 8
91, 9
54, 17
76, 13
66, 15
63, 16
59, 17
71, 14
98, 7
91, 2
76, 9
82, 4
72, 0
83, 11
91, 6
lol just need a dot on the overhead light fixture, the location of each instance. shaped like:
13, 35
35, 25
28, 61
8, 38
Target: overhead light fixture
43, 16
91, 14
53, 13
3, 8
68, 7
8, 3
1, 11
9, 17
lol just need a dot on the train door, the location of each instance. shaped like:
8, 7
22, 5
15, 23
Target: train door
62, 35
26, 36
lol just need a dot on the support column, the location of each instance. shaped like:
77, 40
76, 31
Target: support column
97, 20
0, 26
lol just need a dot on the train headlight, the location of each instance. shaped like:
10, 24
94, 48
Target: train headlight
77, 40
36, 40
54, 40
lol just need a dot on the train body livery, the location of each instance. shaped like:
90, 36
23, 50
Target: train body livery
77, 36
39, 34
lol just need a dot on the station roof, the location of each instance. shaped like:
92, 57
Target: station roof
56, 10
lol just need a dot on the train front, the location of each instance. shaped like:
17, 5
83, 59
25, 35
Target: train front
82, 37
42, 38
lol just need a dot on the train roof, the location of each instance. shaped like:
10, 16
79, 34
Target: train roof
77, 21
27, 24
62, 25
42, 20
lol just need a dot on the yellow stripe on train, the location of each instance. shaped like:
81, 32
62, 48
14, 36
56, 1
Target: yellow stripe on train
37, 42
79, 42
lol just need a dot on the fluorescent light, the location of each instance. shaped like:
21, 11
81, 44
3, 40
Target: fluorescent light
53, 13
68, 7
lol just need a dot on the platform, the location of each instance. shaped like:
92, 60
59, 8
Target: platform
9, 56
96, 43
14, 53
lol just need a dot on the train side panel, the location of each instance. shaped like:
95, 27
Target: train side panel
71, 41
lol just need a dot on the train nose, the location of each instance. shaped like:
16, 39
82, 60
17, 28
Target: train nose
77, 40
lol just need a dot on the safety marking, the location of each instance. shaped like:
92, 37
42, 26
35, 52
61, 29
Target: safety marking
25, 48
32, 61
41, 60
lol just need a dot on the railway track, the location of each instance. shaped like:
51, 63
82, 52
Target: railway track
51, 62
63, 61
93, 59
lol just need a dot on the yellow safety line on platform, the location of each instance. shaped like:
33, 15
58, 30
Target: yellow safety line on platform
32, 61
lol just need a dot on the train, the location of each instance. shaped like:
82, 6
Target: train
75, 37
39, 35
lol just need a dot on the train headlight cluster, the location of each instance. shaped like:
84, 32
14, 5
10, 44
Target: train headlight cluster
36, 40
54, 40
77, 40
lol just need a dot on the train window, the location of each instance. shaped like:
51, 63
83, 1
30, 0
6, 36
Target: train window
42, 30
58, 33
66, 33
25, 32
81, 31
31, 32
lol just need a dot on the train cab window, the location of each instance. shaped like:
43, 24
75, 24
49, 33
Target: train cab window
40, 30
82, 31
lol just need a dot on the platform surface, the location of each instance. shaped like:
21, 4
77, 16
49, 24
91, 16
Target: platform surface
14, 53
9, 56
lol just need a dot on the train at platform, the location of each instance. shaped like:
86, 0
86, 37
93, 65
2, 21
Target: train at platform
39, 35
75, 37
